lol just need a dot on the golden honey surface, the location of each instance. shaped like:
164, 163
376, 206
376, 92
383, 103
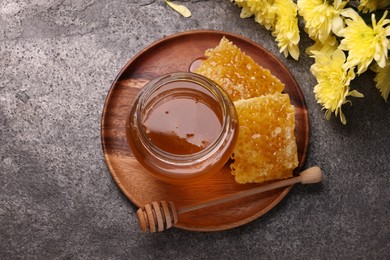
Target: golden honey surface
186, 121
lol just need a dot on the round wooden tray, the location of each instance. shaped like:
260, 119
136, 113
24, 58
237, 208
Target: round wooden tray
171, 54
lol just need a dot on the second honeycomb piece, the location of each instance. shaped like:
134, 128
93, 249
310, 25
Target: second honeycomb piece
266, 148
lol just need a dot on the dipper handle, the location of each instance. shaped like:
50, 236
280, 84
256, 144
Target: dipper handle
158, 216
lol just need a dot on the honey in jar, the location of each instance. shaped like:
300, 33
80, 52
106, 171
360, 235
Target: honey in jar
182, 127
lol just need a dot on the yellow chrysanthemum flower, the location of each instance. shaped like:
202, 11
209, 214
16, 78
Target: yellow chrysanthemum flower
286, 29
280, 16
372, 5
365, 43
321, 18
382, 79
333, 80
263, 10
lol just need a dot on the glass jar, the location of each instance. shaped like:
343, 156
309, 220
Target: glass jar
182, 127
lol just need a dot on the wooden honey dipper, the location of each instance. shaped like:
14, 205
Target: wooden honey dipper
160, 215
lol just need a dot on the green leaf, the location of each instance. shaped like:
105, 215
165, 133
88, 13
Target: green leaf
181, 9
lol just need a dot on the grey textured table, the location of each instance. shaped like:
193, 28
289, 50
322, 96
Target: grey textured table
57, 198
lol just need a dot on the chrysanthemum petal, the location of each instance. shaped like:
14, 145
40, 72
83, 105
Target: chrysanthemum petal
382, 79
246, 12
355, 93
350, 13
337, 25
372, 5
181, 9
342, 117
293, 50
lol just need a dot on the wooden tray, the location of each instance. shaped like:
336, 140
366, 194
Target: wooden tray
171, 54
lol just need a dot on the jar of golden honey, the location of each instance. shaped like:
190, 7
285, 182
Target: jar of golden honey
182, 127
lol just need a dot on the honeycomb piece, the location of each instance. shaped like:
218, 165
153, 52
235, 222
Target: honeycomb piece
266, 148
237, 73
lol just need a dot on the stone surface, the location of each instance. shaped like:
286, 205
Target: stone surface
58, 199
